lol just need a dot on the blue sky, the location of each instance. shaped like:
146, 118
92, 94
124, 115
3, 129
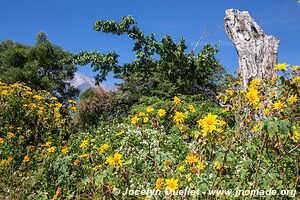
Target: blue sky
69, 24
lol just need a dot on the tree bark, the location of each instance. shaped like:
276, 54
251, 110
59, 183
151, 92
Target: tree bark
257, 51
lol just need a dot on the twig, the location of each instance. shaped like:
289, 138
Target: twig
205, 35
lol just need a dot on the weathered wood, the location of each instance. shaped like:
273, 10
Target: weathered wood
257, 51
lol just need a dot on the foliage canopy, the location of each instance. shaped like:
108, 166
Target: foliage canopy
162, 68
42, 67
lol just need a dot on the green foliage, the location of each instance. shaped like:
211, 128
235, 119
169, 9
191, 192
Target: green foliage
42, 67
162, 68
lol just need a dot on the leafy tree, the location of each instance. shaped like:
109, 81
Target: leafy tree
161, 68
42, 67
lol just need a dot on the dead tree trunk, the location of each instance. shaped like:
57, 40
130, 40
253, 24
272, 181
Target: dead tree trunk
257, 51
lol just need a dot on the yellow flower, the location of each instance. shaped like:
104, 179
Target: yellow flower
219, 96
31, 105
209, 123
182, 128
84, 155
30, 148
135, 120
253, 95
58, 105
221, 122
225, 109
98, 167
149, 109
84, 144
179, 117
296, 79
296, 136
181, 168
281, 66
121, 132
218, 166
4, 162
171, 184
146, 119
53, 98
51, 149
292, 99
26, 159
236, 83
93, 140
274, 79
115, 160
103, 148
266, 111
47, 144
4, 92
27, 88
201, 166
159, 183
74, 109
10, 158
76, 162
110, 186
258, 106
229, 92
294, 68
176, 100
192, 108
257, 127
38, 97
1, 140
65, 150
279, 105
41, 110
254, 83
141, 114
15, 85
161, 112
167, 163
191, 159
72, 101
57, 194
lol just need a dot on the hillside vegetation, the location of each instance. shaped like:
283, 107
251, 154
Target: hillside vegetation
177, 121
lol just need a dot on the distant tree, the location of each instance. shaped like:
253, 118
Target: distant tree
97, 105
162, 68
42, 67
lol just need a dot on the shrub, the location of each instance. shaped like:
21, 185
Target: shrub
193, 105
28, 119
97, 105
